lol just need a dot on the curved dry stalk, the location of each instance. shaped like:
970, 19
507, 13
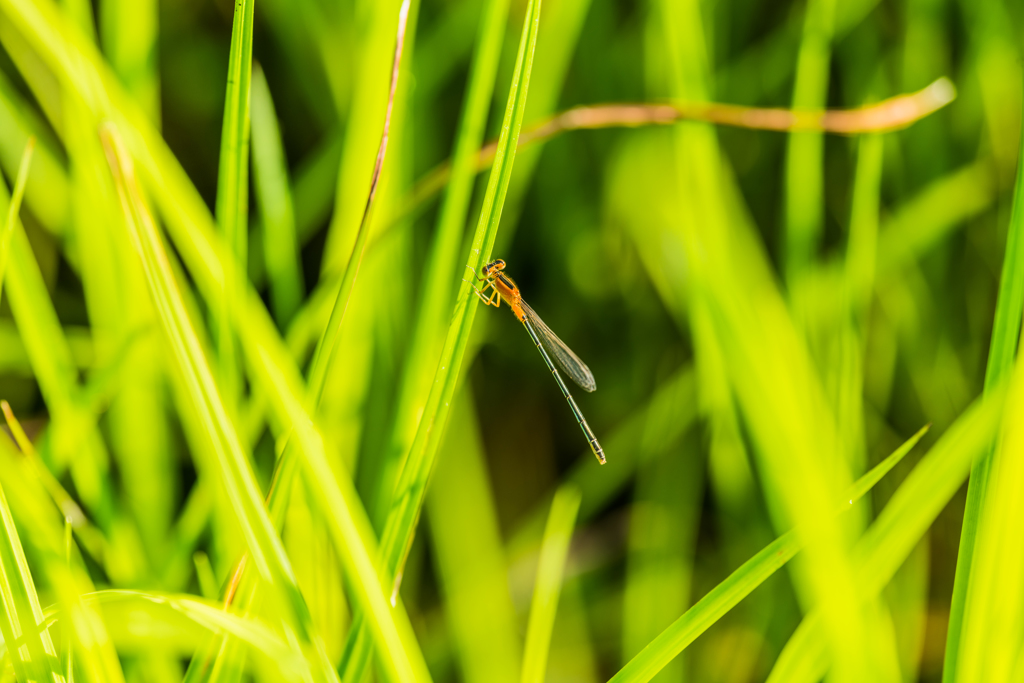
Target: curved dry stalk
324, 350
285, 470
328, 341
888, 115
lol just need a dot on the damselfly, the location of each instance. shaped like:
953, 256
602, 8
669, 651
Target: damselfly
503, 288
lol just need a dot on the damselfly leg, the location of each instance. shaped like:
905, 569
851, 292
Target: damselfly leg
495, 297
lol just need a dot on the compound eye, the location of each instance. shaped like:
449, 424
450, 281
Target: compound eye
499, 264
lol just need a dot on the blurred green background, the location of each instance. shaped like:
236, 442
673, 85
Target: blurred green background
767, 316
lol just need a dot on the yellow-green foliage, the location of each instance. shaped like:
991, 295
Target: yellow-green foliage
261, 429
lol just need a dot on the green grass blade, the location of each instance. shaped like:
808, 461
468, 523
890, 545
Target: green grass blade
845, 360
372, 49
739, 312
274, 198
233, 184
411, 487
129, 35
467, 549
329, 340
347, 521
708, 610
556, 47
992, 625
14, 207
1002, 351
181, 621
418, 463
805, 212
80, 13
89, 536
892, 537
553, 553
76, 441
916, 228
261, 538
438, 280
664, 521
347, 528
30, 648
193, 231
47, 191
738, 585
862, 243
59, 568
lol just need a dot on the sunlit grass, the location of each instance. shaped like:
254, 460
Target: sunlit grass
259, 433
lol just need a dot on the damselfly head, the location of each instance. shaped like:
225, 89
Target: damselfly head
493, 267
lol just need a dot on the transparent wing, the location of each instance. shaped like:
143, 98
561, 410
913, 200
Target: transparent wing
563, 355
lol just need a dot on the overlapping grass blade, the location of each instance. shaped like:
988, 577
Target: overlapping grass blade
467, 549
862, 243
726, 595
29, 645
261, 538
805, 163
893, 535
45, 533
371, 47
14, 207
47, 190
192, 230
416, 468
1002, 351
75, 518
992, 626
74, 427
411, 486
347, 521
344, 531
329, 339
438, 280
556, 47
233, 187
171, 620
664, 521
128, 361
129, 33
738, 312
554, 551
687, 288
274, 198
